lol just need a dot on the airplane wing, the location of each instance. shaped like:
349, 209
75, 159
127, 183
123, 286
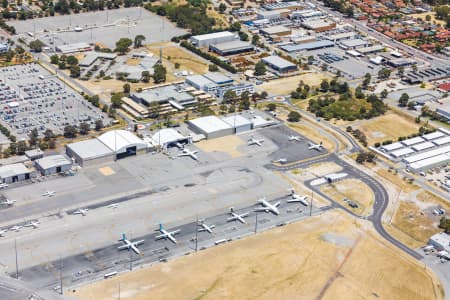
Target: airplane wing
277, 204
135, 249
137, 243
244, 215
126, 246
175, 232
161, 236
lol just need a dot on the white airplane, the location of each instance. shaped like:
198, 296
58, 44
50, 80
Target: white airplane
2, 232
8, 202
280, 160
15, 228
293, 138
253, 141
317, 147
81, 211
113, 206
130, 245
179, 146
49, 194
268, 207
205, 227
298, 198
167, 234
235, 216
34, 224
187, 152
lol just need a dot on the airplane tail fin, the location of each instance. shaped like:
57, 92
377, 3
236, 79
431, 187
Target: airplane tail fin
124, 237
160, 226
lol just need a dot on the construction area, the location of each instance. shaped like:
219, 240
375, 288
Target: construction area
324, 257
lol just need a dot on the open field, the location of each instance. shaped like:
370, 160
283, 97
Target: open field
354, 190
327, 257
284, 86
390, 126
431, 198
226, 144
397, 180
323, 168
431, 14
174, 54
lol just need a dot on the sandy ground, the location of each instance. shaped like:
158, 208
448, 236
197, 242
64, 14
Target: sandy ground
284, 86
227, 144
354, 190
332, 256
322, 169
390, 126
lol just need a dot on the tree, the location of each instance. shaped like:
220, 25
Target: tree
21, 147
236, 26
384, 73
70, 131
84, 128
54, 59
213, 68
122, 45
293, 116
428, 18
159, 73
359, 93
126, 88
411, 105
366, 81
138, 40
444, 223
71, 60
229, 96
145, 76
116, 100
260, 68
33, 137
264, 95
404, 99
255, 39
36, 46
48, 135
222, 8
75, 71
62, 65
243, 36
383, 94
324, 86
271, 106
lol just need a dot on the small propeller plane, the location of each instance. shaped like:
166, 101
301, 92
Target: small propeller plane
317, 147
235, 216
167, 234
130, 245
8, 202
253, 141
292, 138
81, 211
205, 227
190, 153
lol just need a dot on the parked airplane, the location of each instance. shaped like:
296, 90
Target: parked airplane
49, 194
34, 224
253, 141
130, 245
113, 206
268, 207
293, 138
187, 152
15, 228
81, 211
167, 234
8, 202
280, 160
317, 147
235, 216
298, 198
180, 146
205, 227
2, 232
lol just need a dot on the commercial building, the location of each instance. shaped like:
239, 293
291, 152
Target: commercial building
14, 173
89, 152
341, 36
237, 88
278, 30
34, 154
370, 50
219, 78
272, 14
306, 14
238, 123
232, 48
210, 126
200, 82
307, 46
91, 57
53, 164
279, 64
73, 48
291, 5
205, 40
319, 25
440, 241
353, 44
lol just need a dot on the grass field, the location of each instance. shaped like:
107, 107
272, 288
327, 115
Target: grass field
331, 256
397, 180
352, 189
390, 126
284, 86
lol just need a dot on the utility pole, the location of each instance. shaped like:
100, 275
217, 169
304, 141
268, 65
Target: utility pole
256, 222
196, 235
119, 290
60, 276
17, 262
310, 206
131, 262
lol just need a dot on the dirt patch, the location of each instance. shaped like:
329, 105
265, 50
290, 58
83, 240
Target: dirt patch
285, 86
390, 126
397, 180
133, 61
106, 171
322, 169
354, 190
255, 268
227, 144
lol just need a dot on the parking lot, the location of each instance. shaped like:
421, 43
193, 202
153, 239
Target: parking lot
33, 98
104, 27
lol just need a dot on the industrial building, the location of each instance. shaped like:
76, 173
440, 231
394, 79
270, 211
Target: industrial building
53, 164
91, 57
307, 46
370, 50
306, 14
205, 40
353, 44
123, 143
14, 173
237, 88
232, 48
73, 48
272, 14
341, 36
279, 65
219, 78
440, 241
211, 127
200, 82
169, 137
238, 123
291, 5
319, 25
278, 30
89, 152
34, 154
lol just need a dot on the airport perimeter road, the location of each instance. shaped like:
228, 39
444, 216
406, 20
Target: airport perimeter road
96, 263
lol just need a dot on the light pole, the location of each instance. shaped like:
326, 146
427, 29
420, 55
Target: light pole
17, 261
256, 222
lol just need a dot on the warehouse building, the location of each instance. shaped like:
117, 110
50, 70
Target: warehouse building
353, 44
306, 14
238, 123
89, 152
232, 48
279, 65
291, 5
219, 78
205, 40
237, 88
319, 25
74, 48
53, 164
272, 14
308, 46
34, 154
211, 127
91, 57
278, 30
370, 50
123, 143
440, 241
341, 36
200, 82
169, 137
14, 173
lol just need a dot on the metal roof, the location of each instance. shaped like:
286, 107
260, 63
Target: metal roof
237, 120
275, 29
402, 152
198, 80
278, 62
218, 78
52, 161
428, 154
214, 35
340, 36
308, 46
354, 42
166, 136
429, 162
116, 140
233, 45
13, 170
90, 149
433, 135
210, 124
413, 141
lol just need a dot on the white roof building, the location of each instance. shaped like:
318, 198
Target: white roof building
167, 136
441, 241
120, 141
210, 126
